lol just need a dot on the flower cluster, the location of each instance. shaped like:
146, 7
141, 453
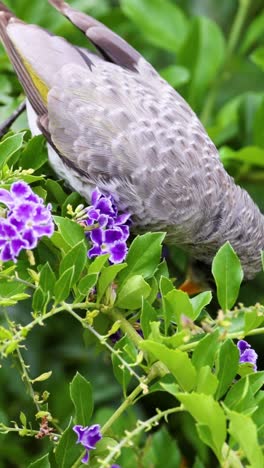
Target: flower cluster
110, 231
88, 438
247, 355
25, 220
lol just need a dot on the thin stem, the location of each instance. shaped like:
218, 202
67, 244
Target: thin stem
103, 341
154, 372
123, 407
234, 335
26, 283
21, 334
129, 401
5, 126
142, 425
30, 432
254, 332
26, 378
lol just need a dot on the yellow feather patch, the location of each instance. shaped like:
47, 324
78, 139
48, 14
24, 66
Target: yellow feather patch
39, 84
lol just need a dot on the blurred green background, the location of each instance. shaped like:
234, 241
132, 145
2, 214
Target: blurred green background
214, 57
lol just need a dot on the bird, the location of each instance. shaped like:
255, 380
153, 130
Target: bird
112, 122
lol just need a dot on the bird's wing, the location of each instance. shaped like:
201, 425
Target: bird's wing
6, 17
112, 47
135, 138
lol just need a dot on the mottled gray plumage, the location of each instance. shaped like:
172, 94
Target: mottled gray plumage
119, 126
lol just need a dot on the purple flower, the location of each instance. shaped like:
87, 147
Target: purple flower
88, 437
27, 220
247, 354
115, 466
110, 231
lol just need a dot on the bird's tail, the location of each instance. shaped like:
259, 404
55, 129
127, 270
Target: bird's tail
109, 44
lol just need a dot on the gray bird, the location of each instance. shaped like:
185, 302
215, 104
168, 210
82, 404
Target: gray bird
112, 122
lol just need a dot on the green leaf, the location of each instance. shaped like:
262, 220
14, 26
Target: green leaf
248, 154
73, 199
247, 110
205, 351
5, 334
47, 279
175, 75
82, 398
258, 416
67, 451
226, 122
253, 33
252, 320
240, 397
107, 277
97, 265
63, 285
87, 283
71, 232
169, 387
158, 20
54, 189
258, 134
131, 293
30, 179
103, 447
228, 275
76, 257
162, 446
34, 154
176, 340
129, 354
42, 377
258, 57
23, 419
210, 416
256, 380
143, 256
42, 462
227, 366
148, 315
177, 303
10, 146
244, 431
4, 302
39, 300
154, 289
165, 285
245, 368
162, 270
178, 363
207, 381
11, 289
202, 53
199, 302
58, 241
